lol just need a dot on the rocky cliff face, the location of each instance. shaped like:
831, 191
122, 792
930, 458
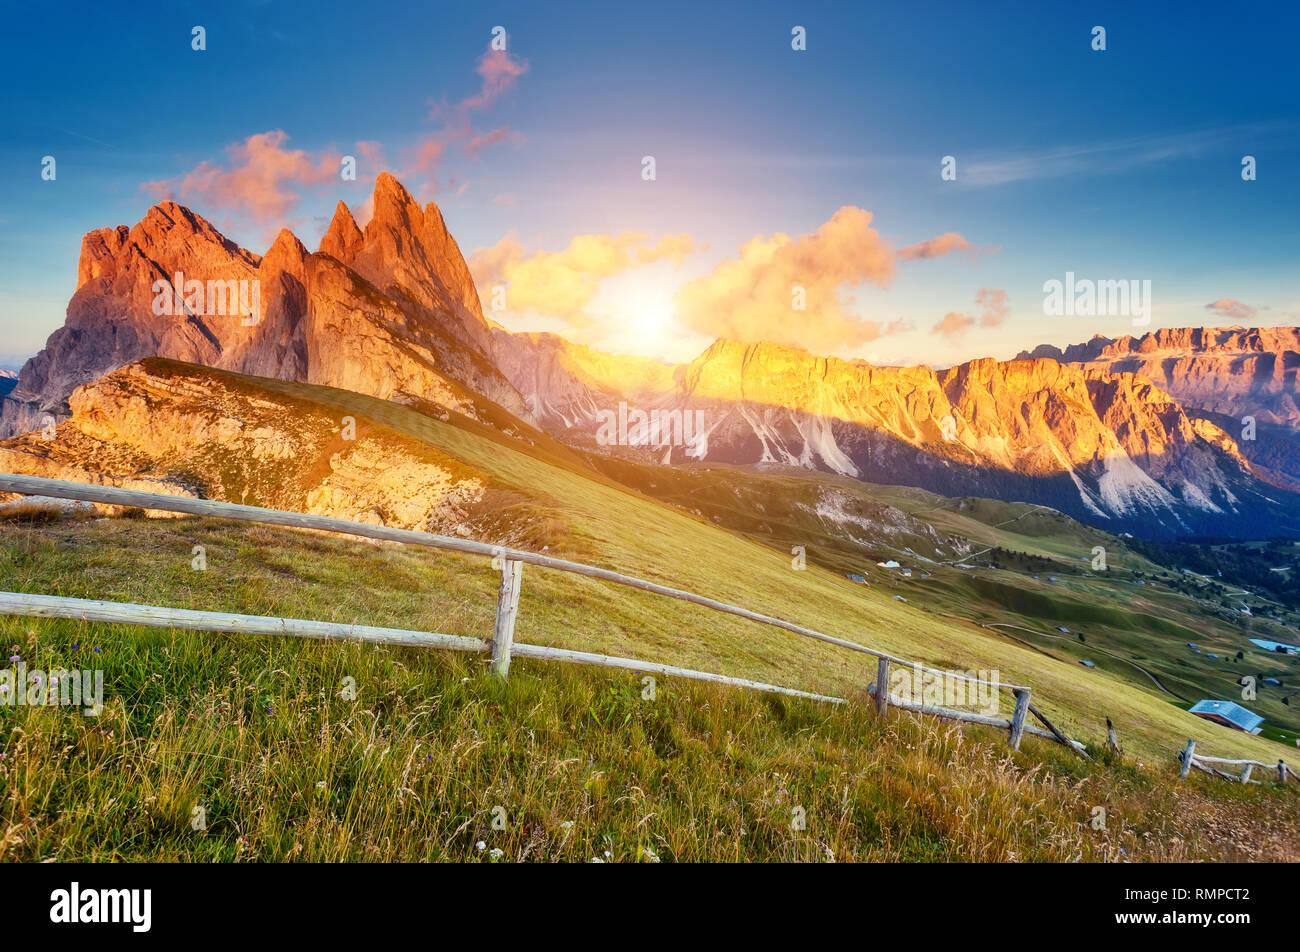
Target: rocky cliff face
567, 385
1242, 380
1111, 449
390, 312
1233, 371
182, 430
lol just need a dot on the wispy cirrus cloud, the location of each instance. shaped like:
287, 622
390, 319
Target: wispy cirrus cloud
1101, 158
499, 72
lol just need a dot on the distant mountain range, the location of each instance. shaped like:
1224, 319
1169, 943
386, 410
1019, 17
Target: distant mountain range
1243, 379
1142, 435
1233, 371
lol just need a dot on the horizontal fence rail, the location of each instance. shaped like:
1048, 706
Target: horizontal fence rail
501, 646
1189, 758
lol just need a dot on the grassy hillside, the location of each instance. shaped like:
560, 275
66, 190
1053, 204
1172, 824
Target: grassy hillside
262, 736
186, 712
1018, 571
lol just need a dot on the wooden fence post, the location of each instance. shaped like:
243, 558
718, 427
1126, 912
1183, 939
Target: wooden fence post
503, 632
1281, 771
1188, 751
882, 686
1018, 719
1112, 738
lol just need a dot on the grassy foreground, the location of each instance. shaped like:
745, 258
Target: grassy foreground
223, 747
296, 750
437, 760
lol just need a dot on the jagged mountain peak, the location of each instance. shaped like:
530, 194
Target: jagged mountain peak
397, 317
407, 251
342, 239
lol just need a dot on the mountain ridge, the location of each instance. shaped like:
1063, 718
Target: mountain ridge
1104, 447
391, 311
419, 334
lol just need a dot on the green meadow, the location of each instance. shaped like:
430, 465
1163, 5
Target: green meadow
258, 734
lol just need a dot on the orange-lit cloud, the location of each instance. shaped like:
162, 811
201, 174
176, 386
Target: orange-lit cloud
562, 284
953, 324
425, 155
670, 247
994, 308
499, 72
935, 247
481, 141
757, 295
258, 181
1234, 309
993, 303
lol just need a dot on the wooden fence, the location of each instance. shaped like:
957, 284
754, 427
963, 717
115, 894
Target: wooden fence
1189, 758
501, 646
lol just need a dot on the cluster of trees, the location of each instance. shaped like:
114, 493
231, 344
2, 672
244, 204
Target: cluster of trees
1236, 564
1000, 558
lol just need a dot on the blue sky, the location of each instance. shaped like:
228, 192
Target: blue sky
1117, 164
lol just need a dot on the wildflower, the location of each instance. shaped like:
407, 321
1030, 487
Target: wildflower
480, 846
320, 784
496, 853
649, 854
597, 859
15, 657
566, 825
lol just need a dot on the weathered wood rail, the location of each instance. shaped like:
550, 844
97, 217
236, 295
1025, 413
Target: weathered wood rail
501, 646
1189, 758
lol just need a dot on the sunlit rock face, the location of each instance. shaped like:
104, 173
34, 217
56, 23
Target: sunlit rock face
1235, 371
390, 311
1112, 449
181, 430
1242, 380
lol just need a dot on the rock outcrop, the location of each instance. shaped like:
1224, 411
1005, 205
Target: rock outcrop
1232, 371
390, 312
185, 430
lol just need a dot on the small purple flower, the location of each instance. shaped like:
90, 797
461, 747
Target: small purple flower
75, 647
15, 657
96, 651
